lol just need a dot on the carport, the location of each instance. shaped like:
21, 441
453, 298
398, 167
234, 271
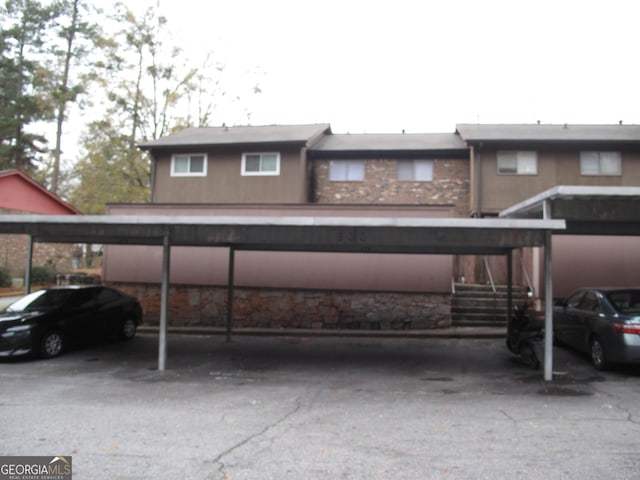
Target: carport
587, 210
320, 234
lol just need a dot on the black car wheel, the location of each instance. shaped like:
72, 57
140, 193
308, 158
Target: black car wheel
128, 329
598, 355
51, 345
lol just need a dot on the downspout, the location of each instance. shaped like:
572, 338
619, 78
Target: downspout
476, 200
309, 165
477, 180
153, 177
312, 182
473, 200
306, 167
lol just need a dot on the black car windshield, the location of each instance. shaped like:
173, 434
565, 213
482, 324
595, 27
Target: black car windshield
40, 300
625, 301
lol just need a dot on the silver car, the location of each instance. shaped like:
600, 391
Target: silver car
603, 322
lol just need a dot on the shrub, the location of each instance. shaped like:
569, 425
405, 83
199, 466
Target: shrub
42, 275
5, 278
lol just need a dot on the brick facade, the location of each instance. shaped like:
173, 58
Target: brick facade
13, 255
13, 252
450, 185
303, 309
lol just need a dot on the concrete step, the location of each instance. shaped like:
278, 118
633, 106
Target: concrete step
478, 305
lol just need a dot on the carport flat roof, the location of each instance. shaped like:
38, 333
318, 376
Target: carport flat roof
290, 233
588, 210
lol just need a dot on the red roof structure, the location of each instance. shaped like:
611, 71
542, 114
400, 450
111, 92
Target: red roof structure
21, 193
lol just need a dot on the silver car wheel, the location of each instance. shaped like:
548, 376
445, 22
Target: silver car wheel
52, 344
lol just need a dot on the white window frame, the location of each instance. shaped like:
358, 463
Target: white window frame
354, 170
420, 170
523, 162
261, 172
600, 163
189, 173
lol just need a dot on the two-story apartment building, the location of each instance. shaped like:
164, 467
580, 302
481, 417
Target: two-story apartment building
306, 170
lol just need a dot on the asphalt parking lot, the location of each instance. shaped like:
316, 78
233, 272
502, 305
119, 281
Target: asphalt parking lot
321, 408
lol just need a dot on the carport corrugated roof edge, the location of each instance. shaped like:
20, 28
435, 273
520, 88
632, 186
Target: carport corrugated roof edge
321, 234
407, 222
569, 191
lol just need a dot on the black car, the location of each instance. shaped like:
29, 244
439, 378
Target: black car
47, 321
603, 322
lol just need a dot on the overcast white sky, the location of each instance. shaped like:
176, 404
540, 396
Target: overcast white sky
423, 66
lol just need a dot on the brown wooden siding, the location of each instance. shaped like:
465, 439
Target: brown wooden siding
499, 192
224, 182
594, 261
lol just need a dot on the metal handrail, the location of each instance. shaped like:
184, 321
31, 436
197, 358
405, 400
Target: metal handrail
526, 276
486, 266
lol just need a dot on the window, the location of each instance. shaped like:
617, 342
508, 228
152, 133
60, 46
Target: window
260, 164
346, 170
600, 163
517, 163
625, 301
189, 165
574, 300
106, 295
83, 299
590, 302
415, 170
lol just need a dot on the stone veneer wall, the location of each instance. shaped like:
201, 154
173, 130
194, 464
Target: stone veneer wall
450, 185
304, 309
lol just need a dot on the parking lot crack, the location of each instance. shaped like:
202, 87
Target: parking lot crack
219, 459
619, 405
508, 416
630, 417
514, 421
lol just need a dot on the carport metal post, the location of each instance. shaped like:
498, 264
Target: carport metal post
164, 301
548, 309
509, 285
27, 272
230, 281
